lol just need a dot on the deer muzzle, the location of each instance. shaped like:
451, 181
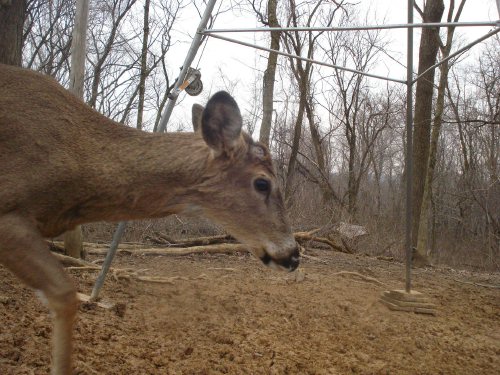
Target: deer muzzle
289, 263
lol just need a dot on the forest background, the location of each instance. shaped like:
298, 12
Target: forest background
338, 138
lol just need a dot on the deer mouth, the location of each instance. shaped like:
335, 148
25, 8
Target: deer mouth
289, 263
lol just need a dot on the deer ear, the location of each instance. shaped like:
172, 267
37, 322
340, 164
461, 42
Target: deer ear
221, 123
196, 111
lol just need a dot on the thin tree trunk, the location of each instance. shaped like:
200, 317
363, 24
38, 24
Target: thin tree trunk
351, 182
302, 75
73, 239
12, 13
99, 65
144, 69
421, 257
78, 48
326, 191
292, 163
269, 75
429, 44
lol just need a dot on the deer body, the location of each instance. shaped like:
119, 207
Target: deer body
64, 164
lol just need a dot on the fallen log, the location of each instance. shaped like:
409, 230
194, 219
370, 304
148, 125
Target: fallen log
308, 236
58, 246
225, 248
221, 244
189, 242
106, 245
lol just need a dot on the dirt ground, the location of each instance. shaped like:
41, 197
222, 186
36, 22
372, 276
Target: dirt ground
230, 315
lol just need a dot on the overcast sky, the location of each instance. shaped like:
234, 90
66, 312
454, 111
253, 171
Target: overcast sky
239, 64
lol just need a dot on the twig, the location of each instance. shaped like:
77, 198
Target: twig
72, 262
83, 268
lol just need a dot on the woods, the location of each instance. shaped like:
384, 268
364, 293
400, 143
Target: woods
337, 137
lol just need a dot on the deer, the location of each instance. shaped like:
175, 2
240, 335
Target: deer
64, 164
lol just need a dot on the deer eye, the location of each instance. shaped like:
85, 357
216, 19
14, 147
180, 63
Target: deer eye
262, 185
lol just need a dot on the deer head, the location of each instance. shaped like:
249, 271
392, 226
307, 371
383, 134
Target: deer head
240, 190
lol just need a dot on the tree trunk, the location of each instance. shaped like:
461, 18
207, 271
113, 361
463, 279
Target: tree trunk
421, 257
269, 75
351, 182
429, 44
292, 163
326, 190
302, 74
12, 14
78, 48
144, 68
121, 12
73, 239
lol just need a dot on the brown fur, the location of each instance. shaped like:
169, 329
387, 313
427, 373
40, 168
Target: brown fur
64, 164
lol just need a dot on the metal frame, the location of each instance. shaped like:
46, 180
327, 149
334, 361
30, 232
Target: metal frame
409, 82
409, 145
409, 26
354, 28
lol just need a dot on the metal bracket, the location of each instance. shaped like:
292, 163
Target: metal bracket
192, 84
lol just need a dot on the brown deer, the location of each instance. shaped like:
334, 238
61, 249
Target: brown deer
63, 164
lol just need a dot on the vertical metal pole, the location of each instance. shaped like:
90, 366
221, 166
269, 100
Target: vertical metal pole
195, 44
409, 144
109, 258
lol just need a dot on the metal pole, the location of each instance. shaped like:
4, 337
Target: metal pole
109, 258
459, 51
353, 28
409, 144
195, 44
306, 59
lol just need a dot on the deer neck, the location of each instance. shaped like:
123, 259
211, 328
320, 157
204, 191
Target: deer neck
146, 176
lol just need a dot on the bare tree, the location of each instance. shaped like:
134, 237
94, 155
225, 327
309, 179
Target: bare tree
47, 39
304, 45
487, 197
73, 239
12, 13
114, 13
144, 70
429, 45
270, 73
358, 50
423, 228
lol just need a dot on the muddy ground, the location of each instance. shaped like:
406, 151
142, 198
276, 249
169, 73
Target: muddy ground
227, 314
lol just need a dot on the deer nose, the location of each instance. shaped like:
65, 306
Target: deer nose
289, 263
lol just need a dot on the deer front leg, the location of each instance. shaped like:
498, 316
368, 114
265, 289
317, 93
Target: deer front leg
24, 252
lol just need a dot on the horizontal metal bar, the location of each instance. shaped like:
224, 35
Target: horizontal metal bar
458, 52
351, 28
307, 59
